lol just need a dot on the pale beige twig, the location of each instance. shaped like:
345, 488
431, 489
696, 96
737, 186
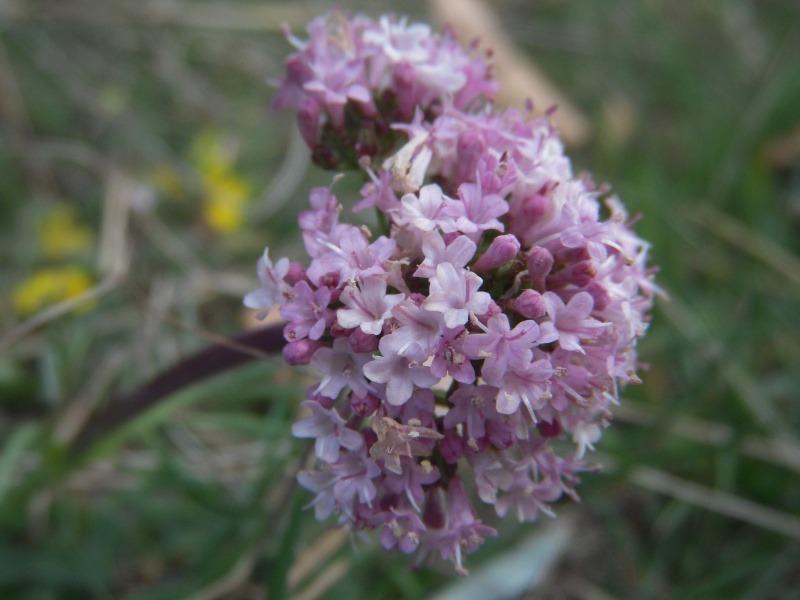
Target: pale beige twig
79, 408
758, 403
313, 556
717, 501
107, 285
520, 80
333, 573
782, 452
233, 579
113, 260
747, 239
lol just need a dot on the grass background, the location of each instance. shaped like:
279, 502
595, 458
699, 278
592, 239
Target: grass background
107, 109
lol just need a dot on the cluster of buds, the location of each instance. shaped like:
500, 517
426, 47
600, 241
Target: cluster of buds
494, 314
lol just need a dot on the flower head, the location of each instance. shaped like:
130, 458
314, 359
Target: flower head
494, 313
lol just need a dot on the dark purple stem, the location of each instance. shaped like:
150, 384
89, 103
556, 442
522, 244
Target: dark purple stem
199, 366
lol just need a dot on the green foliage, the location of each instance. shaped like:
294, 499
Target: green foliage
199, 490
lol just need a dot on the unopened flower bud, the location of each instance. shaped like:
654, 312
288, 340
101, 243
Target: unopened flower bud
529, 304
323, 401
501, 434
364, 406
308, 120
579, 275
403, 77
502, 249
433, 516
596, 290
534, 207
296, 273
451, 447
470, 148
363, 342
573, 255
540, 261
450, 237
548, 430
300, 352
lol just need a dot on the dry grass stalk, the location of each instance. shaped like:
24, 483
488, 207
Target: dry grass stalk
748, 240
519, 78
717, 501
782, 452
311, 558
335, 571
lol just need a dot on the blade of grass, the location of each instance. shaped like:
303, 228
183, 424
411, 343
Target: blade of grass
333, 573
281, 564
717, 501
18, 442
747, 240
782, 452
313, 556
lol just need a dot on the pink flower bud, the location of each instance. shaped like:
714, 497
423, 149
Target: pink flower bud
596, 290
300, 351
308, 120
493, 310
364, 406
323, 401
452, 446
370, 437
403, 79
363, 342
534, 207
529, 304
549, 430
502, 249
338, 331
296, 273
540, 261
579, 275
433, 516
449, 237
470, 148
501, 434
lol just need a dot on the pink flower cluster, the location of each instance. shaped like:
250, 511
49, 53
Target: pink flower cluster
354, 78
496, 312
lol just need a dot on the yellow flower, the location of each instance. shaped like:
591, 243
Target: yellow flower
225, 193
61, 235
48, 286
224, 205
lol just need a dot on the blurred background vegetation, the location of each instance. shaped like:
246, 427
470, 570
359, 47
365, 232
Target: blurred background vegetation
141, 175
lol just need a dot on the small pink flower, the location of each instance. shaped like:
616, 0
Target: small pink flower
502, 249
426, 211
330, 432
273, 287
340, 368
368, 305
398, 373
454, 293
572, 321
458, 253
